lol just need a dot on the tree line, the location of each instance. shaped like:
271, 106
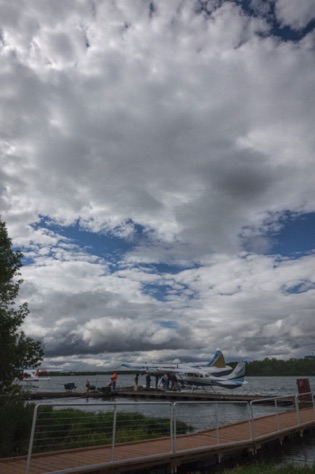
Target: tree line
277, 367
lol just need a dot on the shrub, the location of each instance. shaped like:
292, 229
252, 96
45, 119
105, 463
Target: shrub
15, 425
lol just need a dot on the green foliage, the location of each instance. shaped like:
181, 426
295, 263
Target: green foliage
16, 350
15, 425
293, 367
69, 428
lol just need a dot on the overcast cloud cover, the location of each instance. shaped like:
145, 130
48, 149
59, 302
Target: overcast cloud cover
152, 153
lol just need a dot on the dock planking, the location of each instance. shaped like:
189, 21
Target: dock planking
152, 394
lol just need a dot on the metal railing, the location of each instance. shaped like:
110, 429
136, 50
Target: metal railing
278, 405
112, 425
61, 426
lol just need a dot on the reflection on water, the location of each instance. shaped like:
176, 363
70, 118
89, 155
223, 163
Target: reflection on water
300, 452
202, 415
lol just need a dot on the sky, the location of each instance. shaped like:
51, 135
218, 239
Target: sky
157, 172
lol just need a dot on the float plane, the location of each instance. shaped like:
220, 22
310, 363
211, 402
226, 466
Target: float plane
214, 373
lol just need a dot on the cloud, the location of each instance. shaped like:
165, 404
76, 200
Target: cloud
293, 15
181, 134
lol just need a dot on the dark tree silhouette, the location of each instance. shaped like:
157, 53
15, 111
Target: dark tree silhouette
16, 349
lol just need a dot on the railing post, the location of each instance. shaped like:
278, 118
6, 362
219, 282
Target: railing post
277, 414
30, 447
252, 418
297, 410
173, 428
114, 432
217, 429
250, 421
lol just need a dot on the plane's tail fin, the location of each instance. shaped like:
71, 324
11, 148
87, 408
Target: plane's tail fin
217, 360
238, 372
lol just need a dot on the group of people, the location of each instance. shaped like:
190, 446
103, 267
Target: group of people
147, 381
168, 382
165, 382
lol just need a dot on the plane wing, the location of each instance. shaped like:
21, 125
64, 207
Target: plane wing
216, 366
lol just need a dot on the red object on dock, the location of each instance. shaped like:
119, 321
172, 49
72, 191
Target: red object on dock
304, 390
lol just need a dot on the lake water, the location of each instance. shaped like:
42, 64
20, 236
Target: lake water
298, 452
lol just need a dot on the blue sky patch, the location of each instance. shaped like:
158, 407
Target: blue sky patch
301, 287
267, 11
296, 237
107, 246
159, 292
168, 324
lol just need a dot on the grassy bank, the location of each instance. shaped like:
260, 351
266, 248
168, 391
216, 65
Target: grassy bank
71, 428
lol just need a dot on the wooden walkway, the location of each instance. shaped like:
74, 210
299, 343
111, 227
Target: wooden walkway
238, 437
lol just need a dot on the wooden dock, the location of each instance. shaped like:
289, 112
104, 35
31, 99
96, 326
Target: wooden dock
152, 394
239, 438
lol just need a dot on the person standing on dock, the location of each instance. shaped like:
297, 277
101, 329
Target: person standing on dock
114, 380
173, 381
165, 382
148, 381
136, 382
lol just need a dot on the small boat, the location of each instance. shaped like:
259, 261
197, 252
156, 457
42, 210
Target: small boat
31, 376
